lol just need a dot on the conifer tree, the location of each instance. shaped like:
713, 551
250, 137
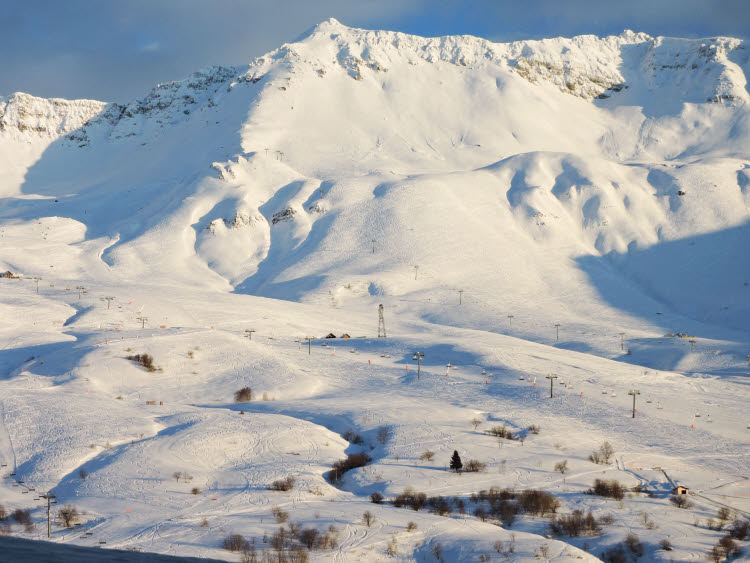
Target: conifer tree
456, 463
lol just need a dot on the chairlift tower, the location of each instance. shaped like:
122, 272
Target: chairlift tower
381, 322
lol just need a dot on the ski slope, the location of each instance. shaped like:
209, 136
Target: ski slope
598, 184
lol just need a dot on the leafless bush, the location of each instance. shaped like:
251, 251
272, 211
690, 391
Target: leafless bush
615, 554
329, 539
474, 466
411, 526
481, 513
681, 501
235, 542
368, 518
392, 548
609, 489
427, 455
665, 544
204, 523
561, 466
739, 530
190, 354
145, 360
476, 422
728, 546
410, 498
243, 395
280, 515
309, 537
575, 524
351, 436
603, 454
437, 551
352, 461
538, 502
286, 484
82, 473
3, 513
534, 429
647, 521
500, 432
68, 515
634, 545
376, 498
441, 506
195, 491
21, 516
384, 434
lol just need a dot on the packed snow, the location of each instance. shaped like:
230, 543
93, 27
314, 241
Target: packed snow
575, 208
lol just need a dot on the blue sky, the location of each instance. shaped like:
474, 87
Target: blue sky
116, 50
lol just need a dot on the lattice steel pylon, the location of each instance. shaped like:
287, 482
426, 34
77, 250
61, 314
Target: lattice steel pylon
381, 322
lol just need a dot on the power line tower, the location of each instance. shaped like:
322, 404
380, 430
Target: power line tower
381, 322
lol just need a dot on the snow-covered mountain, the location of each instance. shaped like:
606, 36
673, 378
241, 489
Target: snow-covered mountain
598, 184
273, 178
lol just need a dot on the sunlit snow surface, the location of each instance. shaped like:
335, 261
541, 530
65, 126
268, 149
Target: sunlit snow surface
599, 184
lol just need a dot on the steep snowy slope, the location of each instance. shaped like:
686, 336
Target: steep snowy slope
530, 159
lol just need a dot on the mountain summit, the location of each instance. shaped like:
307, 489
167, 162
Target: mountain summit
248, 177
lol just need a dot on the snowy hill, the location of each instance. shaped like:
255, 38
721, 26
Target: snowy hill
599, 184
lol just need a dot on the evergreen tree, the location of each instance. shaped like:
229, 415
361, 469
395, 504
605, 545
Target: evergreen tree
456, 464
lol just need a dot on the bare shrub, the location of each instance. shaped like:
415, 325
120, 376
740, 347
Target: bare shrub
728, 547
68, 515
681, 501
410, 498
309, 537
603, 454
609, 489
739, 530
615, 554
368, 518
204, 523
286, 484
351, 436
476, 422
329, 539
190, 354
235, 542
3, 513
21, 516
481, 513
723, 514
195, 491
634, 545
243, 395
441, 506
411, 526
666, 545
647, 521
427, 455
352, 461
474, 466
280, 515
561, 466
575, 524
144, 360
437, 551
500, 432
376, 498
538, 502
534, 429
384, 434
82, 473
392, 548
